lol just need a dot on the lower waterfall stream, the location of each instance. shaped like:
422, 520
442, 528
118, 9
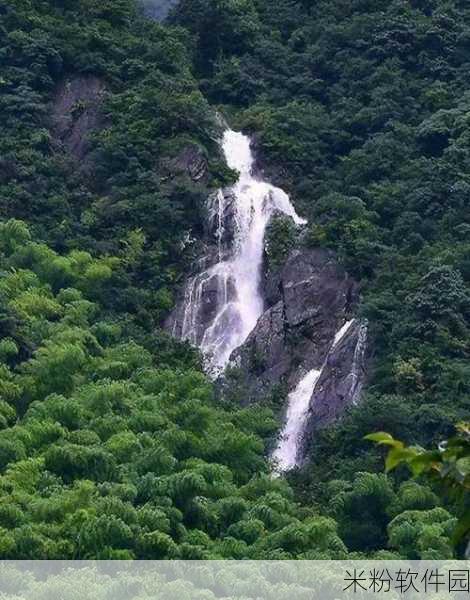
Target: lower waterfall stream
286, 454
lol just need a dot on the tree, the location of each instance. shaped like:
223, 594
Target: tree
369, 494
448, 466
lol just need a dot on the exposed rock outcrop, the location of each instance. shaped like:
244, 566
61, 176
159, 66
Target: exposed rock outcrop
77, 113
313, 297
341, 381
198, 306
190, 161
308, 338
157, 9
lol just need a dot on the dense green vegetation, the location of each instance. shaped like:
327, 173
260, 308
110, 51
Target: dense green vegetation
448, 465
111, 442
117, 198
107, 452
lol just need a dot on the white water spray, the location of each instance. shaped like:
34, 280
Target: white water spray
234, 282
341, 333
285, 456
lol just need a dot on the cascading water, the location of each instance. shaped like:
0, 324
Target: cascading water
287, 454
229, 291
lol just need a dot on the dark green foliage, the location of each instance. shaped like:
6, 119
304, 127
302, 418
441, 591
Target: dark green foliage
113, 195
279, 241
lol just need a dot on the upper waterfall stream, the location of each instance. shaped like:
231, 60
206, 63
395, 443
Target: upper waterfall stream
235, 279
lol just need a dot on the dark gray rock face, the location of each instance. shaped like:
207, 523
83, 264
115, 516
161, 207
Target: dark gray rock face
190, 161
202, 289
77, 113
201, 294
341, 381
313, 297
308, 325
222, 219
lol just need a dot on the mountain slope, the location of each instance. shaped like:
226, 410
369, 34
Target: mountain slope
111, 443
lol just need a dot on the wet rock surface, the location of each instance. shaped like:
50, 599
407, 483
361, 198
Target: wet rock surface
309, 324
218, 237
76, 113
313, 297
222, 220
341, 381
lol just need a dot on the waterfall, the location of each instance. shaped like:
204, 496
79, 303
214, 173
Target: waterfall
287, 453
341, 333
223, 303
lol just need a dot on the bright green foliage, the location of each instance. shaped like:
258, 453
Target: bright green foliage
105, 453
423, 535
448, 465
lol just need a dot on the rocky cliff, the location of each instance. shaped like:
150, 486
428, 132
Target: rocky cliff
311, 297
76, 113
308, 300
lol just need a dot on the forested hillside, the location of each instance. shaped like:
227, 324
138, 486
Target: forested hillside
112, 441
